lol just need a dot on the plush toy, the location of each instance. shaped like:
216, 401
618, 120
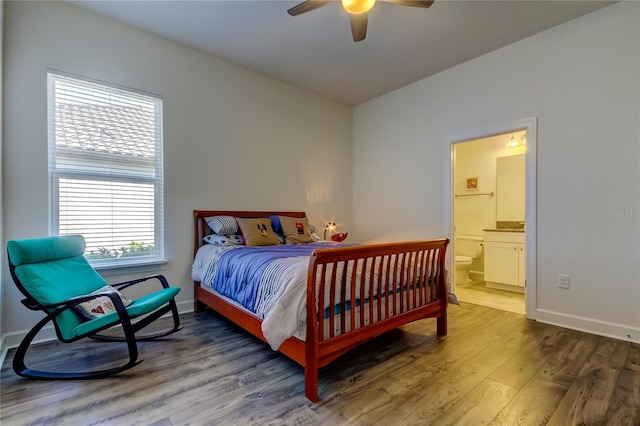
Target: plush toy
339, 237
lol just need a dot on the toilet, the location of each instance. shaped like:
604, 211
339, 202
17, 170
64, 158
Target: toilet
467, 249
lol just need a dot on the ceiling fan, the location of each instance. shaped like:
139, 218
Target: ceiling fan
358, 10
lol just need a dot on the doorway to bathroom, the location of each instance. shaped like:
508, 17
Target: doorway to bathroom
491, 202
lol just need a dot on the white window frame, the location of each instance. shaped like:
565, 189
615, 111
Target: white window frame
57, 173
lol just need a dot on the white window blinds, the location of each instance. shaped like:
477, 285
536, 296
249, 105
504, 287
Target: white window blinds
105, 169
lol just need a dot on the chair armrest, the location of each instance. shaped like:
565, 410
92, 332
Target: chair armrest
159, 277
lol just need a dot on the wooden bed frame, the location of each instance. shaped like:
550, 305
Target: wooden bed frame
418, 268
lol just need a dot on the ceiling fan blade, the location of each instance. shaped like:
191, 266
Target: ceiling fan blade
359, 26
414, 3
307, 6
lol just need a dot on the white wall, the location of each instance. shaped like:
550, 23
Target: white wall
233, 139
581, 80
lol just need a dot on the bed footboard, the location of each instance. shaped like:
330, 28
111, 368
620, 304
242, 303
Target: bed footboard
357, 293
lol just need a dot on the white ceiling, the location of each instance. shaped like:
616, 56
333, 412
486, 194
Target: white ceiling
315, 50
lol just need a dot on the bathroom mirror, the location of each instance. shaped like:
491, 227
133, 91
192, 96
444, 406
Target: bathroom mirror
510, 188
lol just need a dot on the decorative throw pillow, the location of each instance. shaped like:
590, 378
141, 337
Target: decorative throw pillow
100, 306
258, 232
224, 240
280, 238
222, 225
296, 230
275, 224
277, 228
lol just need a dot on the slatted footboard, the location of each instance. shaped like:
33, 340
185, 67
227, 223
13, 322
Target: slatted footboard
357, 293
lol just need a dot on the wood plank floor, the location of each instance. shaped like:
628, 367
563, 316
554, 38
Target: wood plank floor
494, 367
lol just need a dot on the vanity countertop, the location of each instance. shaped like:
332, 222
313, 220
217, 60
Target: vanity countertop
503, 230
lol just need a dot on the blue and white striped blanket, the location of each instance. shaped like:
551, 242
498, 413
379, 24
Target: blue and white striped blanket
268, 281
249, 274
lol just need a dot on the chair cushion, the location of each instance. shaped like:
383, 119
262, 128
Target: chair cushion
59, 280
37, 250
141, 306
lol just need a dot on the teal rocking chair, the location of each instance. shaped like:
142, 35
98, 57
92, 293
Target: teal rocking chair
55, 277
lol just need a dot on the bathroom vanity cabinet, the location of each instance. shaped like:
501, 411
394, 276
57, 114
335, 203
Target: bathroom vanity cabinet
504, 260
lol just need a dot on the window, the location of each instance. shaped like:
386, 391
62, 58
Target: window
105, 169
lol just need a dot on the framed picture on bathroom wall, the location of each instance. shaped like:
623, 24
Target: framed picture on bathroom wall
472, 184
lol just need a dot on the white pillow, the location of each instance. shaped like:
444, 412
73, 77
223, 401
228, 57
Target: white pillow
222, 225
100, 306
224, 240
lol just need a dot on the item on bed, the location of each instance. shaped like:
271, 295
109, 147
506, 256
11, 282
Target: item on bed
222, 225
257, 231
331, 226
316, 301
338, 238
296, 230
275, 223
224, 240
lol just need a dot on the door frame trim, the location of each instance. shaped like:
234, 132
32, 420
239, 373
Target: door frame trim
531, 127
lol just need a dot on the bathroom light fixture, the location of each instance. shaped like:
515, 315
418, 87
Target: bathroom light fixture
513, 142
330, 226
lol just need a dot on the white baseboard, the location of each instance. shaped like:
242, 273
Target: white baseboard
48, 333
12, 340
589, 325
185, 307
505, 287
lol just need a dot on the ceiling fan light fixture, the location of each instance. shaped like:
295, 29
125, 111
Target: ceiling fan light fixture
358, 7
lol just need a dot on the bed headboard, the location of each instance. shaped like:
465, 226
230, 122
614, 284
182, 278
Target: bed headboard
201, 229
